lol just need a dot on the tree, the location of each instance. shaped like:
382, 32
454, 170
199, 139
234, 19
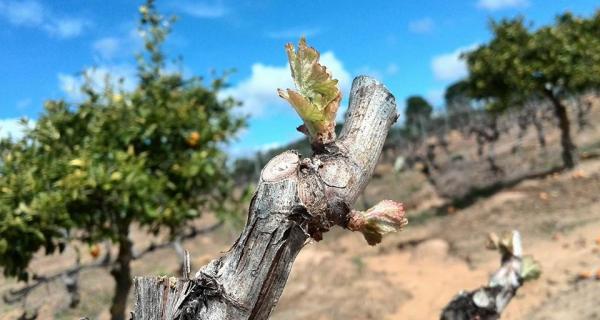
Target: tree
459, 104
457, 97
296, 199
553, 62
89, 170
418, 113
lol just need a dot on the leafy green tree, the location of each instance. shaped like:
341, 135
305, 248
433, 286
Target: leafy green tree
553, 62
457, 97
90, 170
459, 104
418, 114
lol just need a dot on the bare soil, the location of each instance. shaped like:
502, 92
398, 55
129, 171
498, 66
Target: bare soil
412, 274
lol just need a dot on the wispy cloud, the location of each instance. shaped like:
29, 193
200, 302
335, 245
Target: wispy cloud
13, 128
107, 47
424, 25
208, 10
22, 13
117, 46
449, 66
70, 85
259, 91
32, 14
493, 5
294, 33
66, 28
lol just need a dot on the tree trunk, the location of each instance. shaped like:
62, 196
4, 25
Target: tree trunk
569, 150
539, 129
583, 111
121, 272
296, 199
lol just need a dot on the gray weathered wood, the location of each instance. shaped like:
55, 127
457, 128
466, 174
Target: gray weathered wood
488, 302
296, 199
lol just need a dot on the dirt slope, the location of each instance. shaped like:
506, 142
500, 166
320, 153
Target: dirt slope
415, 273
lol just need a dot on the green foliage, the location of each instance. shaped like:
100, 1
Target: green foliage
554, 62
318, 97
418, 114
89, 169
520, 63
417, 108
458, 97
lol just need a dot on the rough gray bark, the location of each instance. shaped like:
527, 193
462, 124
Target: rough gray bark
296, 199
121, 272
488, 302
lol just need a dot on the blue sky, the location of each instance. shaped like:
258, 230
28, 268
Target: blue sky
412, 46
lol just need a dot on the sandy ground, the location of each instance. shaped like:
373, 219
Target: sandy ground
412, 274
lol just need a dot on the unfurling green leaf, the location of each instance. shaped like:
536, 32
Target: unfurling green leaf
318, 96
530, 269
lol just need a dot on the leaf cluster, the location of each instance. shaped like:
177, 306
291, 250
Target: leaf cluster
318, 97
521, 62
153, 156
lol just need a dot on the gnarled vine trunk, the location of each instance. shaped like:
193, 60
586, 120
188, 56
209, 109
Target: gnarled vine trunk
296, 199
569, 150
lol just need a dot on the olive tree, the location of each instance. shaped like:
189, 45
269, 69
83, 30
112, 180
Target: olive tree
89, 170
552, 62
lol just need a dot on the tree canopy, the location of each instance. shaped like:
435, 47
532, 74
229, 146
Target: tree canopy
88, 169
552, 62
519, 62
418, 113
458, 97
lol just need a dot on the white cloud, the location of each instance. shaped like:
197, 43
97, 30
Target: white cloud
449, 66
71, 84
259, 91
22, 13
424, 25
107, 47
32, 14
294, 33
66, 28
501, 4
12, 127
123, 45
213, 10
